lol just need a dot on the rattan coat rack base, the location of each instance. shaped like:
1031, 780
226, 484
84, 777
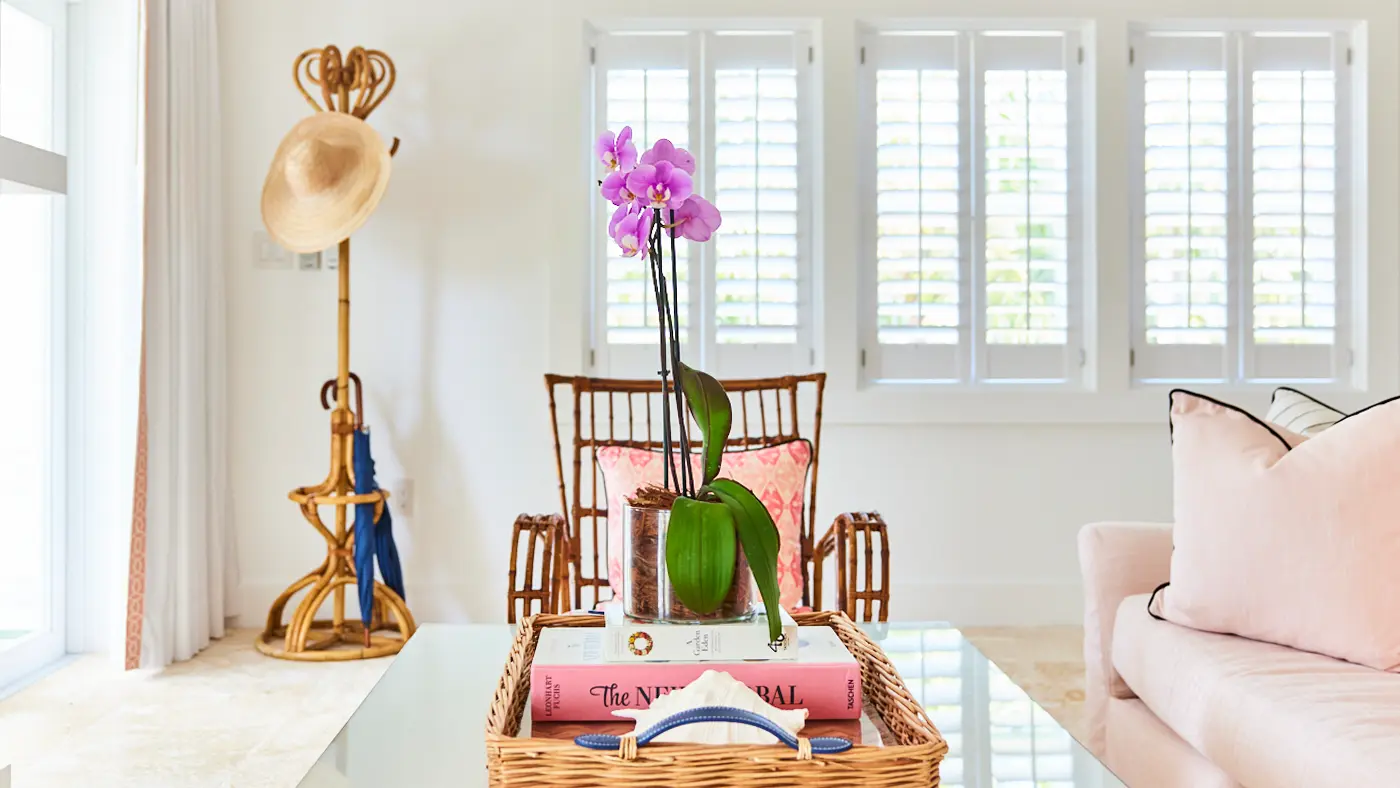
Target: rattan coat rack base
355, 84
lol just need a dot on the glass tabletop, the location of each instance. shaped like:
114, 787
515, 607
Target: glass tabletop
423, 723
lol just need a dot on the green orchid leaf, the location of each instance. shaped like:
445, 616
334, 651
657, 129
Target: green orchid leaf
758, 535
710, 406
700, 553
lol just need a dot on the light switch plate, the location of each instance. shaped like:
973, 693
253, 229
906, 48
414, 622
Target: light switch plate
330, 259
269, 255
309, 261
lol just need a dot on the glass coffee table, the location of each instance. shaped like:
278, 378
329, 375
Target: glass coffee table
423, 724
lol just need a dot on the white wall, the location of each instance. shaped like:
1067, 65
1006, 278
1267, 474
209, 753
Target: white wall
469, 284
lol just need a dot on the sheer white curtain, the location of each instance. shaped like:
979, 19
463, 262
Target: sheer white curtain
183, 562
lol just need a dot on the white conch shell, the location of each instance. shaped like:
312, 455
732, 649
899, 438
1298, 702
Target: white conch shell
715, 688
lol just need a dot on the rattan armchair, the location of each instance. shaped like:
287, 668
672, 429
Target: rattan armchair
558, 562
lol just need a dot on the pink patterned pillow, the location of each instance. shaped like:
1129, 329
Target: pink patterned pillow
777, 475
1284, 539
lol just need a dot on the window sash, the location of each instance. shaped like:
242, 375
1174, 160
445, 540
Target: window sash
972, 358
27, 165
1240, 357
28, 174
704, 55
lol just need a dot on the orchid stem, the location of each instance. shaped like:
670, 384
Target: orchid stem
658, 276
682, 415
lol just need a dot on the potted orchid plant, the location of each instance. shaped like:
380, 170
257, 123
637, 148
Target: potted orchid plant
693, 542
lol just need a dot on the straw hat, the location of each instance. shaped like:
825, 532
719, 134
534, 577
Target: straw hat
327, 178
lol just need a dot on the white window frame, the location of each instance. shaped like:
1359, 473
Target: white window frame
48, 171
974, 363
702, 50
1240, 361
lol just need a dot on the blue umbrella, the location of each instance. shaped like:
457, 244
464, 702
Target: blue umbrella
372, 538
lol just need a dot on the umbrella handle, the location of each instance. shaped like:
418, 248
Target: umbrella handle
359, 410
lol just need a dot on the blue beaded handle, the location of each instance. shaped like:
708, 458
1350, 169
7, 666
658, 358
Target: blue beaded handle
821, 745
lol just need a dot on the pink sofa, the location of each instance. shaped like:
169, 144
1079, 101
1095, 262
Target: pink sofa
1174, 707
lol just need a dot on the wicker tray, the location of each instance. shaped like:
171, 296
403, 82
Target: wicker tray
910, 756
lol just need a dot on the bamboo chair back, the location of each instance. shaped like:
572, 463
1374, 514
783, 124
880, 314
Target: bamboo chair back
613, 412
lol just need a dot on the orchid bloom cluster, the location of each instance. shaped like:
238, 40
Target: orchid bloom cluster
711, 518
655, 187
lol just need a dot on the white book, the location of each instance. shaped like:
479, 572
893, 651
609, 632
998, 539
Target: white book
629, 640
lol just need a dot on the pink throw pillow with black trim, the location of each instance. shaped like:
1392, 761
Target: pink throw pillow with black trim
777, 475
1287, 539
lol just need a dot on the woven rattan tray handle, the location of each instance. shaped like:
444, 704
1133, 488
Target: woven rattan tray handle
626, 746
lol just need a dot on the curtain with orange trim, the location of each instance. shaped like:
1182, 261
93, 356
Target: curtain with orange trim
183, 569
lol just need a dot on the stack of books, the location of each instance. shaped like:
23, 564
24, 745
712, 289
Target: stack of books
584, 674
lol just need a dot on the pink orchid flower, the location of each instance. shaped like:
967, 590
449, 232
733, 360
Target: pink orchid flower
660, 185
614, 188
696, 219
617, 152
665, 150
631, 232
622, 212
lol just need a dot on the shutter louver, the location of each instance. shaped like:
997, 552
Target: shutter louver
755, 162
918, 254
735, 100
972, 228
761, 254
918, 149
1239, 241
1024, 240
1185, 226
1294, 114
655, 102
1027, 169
1296, 252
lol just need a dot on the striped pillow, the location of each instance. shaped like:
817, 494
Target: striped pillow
1297, 412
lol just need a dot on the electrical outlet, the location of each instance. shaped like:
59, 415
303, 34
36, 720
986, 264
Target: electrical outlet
401, 496
309, 261
269, 255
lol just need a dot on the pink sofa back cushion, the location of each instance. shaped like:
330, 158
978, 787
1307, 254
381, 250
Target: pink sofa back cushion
1284, 539
777, 475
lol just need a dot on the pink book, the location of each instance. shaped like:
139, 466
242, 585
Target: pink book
570, 681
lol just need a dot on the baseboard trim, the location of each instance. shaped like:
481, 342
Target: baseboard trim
964, 604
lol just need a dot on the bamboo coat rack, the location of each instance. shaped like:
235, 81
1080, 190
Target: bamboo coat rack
355, 84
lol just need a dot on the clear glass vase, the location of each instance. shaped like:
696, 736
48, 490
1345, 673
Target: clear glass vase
646, 590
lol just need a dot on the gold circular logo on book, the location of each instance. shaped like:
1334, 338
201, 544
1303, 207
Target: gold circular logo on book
639, 643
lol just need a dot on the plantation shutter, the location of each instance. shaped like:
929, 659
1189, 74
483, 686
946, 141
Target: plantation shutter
1024, 246
644, 81
1183, 285
760, 257
1293, 144
921, 206
975, 264
1241, 246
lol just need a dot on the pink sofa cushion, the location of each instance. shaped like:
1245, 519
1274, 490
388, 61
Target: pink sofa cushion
777, 475
1285, 539
1144, 753
1117, 560
1265, 714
